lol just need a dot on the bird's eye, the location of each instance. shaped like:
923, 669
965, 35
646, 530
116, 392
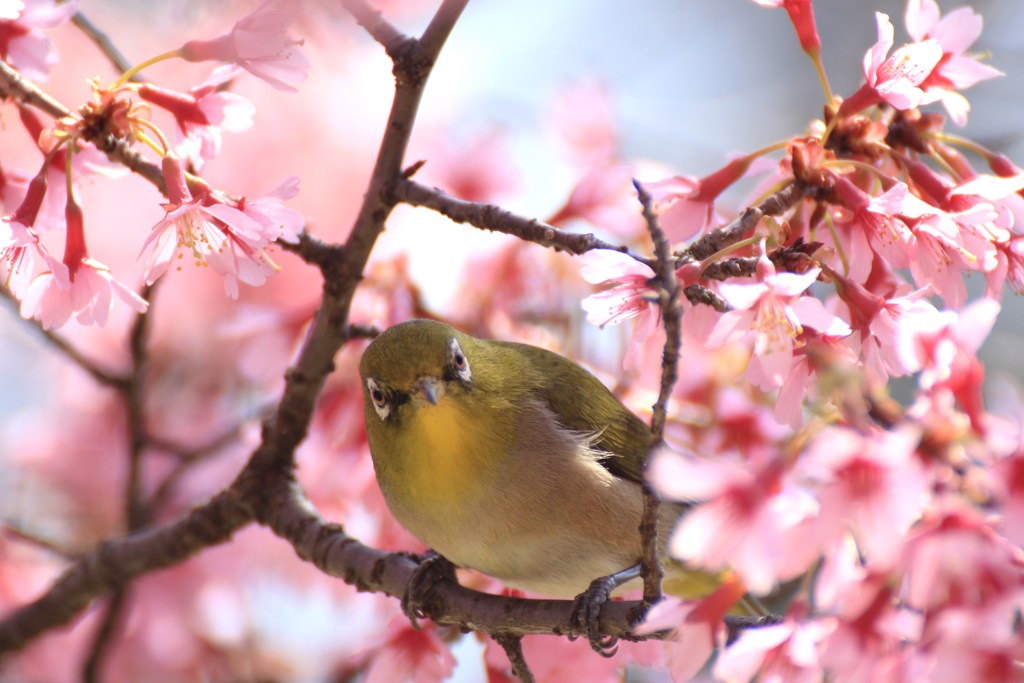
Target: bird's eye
458, 362
379, 398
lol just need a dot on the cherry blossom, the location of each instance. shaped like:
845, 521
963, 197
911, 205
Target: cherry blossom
686, 204
259, 44
628, 292
203, 112
268, 209
801, 13
218, 235
869, 484
22, 41
943, 347
754, 520
80, 286
956, 70
895, 79
416, 655
769, 316
788, 652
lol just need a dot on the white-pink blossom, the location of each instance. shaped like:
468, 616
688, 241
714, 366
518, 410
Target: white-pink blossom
259, 43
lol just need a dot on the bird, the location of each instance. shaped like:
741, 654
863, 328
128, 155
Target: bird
510, 459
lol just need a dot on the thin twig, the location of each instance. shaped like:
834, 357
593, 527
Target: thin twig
379, 28
671, 310
103, 637
513, 646
101, 375
497, 219
719, 239
14, 530
105, 44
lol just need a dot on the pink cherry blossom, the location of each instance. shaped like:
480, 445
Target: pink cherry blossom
259, 44
218, 235
22, 41
203, 112
944, 347
870, 484
753, 520
895, 79
789, 652
22, 255
268, 209
956, 70
408, 654
697, 632
686, 204
954, 558
81, 286
873, 227
88, 296
877, 322
628, 293
768, 317
604, 197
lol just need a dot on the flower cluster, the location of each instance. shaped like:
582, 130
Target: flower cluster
230, 235
877, 509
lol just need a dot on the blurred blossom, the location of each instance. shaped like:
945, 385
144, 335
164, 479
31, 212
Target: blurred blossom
752, 517
259, 44
957, 69
22, 41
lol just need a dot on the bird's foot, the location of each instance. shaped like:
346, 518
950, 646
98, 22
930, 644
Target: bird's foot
586, 615
433, 569
586, 609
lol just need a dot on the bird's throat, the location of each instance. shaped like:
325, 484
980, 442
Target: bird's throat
446, 453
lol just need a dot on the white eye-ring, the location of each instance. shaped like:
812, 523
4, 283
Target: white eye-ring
458, 362
378, 398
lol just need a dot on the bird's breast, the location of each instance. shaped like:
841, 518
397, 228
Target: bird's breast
445, 458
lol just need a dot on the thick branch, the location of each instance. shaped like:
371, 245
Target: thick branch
497, 219
343, 270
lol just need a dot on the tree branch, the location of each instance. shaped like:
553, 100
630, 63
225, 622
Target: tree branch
114, 563
379, 28
773, 205
513, 646
497, 219
671, 310
104, 43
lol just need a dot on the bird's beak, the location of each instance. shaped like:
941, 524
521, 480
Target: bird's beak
431, 389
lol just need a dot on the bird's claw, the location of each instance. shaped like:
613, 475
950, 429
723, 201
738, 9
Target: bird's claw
433, 569
586, 615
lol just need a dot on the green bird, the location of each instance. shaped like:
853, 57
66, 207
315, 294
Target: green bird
509, 459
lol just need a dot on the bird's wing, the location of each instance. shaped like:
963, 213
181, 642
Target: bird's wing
584, 404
